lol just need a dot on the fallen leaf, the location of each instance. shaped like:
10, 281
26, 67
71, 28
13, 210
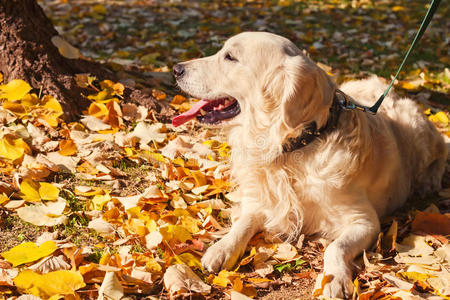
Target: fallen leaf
153, 239
181, 279
28, 252
50, 264
48, 214
431, 223
14, 90
48, 191
64, 48
110, 288
50, 284
149, 132
67, 148
101, 226
13, 148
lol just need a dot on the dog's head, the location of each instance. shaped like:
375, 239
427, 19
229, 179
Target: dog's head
259, 76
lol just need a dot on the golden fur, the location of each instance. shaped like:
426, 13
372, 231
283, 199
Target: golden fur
339, 185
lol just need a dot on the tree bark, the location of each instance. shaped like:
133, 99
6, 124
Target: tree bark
26, 52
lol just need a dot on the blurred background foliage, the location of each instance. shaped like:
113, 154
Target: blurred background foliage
350, 39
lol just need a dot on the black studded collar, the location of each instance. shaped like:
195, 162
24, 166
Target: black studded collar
311, 132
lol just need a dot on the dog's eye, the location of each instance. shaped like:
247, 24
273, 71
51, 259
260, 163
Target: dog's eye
229, 57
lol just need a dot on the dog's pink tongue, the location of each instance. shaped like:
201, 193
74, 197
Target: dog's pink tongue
190, 114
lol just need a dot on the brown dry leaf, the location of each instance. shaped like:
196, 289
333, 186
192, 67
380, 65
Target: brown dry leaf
84, 80
181, 279
6, 117
101, 226
50, 264
49, 214
94, 124
149, 132
238, 296
388, 240
397, 282
66, 164
5, 277
64, 48
285, 252
431, 223
132, 112
110, 288
153, 239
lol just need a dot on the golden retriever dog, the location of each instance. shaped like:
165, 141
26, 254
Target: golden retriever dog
339, 180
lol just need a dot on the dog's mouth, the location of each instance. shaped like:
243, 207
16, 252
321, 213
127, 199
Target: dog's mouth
210, 111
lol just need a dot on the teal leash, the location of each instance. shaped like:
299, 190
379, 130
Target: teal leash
431, 10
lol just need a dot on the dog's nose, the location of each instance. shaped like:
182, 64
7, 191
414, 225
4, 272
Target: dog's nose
178, 70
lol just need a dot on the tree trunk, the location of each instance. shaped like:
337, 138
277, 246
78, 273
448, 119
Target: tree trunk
26, 52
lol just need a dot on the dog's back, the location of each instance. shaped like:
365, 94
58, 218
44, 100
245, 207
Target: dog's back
424, 153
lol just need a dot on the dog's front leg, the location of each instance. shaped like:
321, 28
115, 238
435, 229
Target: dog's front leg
225, 253
359, 232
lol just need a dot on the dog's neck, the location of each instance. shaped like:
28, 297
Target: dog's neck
311, 132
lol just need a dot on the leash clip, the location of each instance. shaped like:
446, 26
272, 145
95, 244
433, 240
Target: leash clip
349, 105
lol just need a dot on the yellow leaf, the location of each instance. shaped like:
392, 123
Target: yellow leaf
129, 152
30, 190
28, 252
15, 90
151, 225
178, 99
1, 77
13, 148
51, 119
48, 191
104, 260
398, 8
115, 88
98, 110
3, 197
178, 161
225, 277
442, 118
152, 266
190, 223
414, 276
175, 232
188, 259
52, 284
30, 100
100, 200
16, 108
67, 148
52, 104
211, 143
407, 85
200, 179
100, 9
152, 155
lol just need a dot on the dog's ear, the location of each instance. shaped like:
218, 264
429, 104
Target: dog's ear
305, 91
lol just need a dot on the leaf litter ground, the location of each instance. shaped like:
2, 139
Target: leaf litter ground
118, 204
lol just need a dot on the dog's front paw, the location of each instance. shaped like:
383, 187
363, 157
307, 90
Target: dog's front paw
337, 285
221, 255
